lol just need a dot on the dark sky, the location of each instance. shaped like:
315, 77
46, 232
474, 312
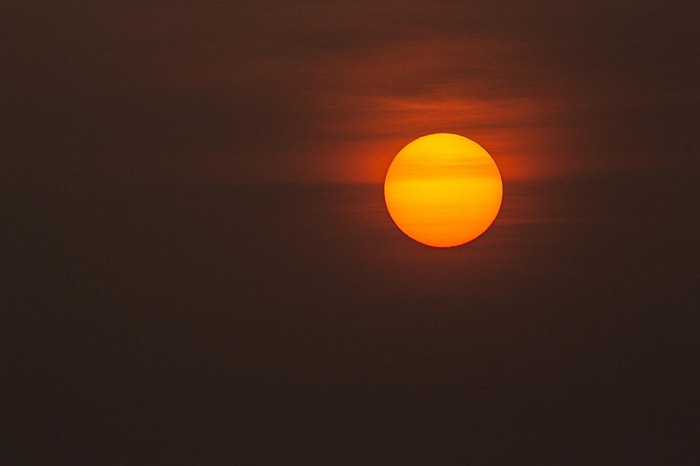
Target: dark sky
198, 266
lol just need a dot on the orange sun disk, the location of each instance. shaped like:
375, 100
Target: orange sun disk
443, 190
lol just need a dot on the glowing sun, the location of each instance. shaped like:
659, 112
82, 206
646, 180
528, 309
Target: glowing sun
443, 190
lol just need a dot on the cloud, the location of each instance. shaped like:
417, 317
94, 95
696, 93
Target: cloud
329, 91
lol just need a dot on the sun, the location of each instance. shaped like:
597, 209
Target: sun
443, 190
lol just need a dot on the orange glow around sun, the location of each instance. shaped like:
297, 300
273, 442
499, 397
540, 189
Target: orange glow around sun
443, 190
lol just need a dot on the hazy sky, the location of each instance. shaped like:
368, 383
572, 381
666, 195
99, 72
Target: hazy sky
197, 265
330, 91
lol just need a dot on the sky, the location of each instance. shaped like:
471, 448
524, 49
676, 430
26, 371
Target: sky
198, 266
329, 91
